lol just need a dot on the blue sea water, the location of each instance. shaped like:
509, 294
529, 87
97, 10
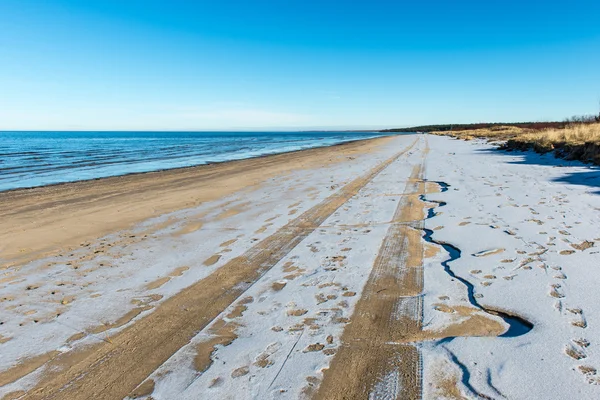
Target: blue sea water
29, 159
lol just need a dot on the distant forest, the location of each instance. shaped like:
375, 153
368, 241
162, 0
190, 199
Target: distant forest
576, 119
467, 127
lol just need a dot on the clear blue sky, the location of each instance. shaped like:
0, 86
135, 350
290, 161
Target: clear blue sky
195, 65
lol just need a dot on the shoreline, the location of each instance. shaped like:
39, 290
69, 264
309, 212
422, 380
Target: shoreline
271, 287
149, 290
73, 212
391, 134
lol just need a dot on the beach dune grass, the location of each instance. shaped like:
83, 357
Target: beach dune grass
573, 142
500, 132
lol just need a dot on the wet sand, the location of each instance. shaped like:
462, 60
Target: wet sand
47, 220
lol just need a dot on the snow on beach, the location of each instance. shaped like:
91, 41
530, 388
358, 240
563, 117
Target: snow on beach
79, 298
508, 303
288, 325
528, 238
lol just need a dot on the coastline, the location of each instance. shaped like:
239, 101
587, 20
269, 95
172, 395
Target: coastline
270, 288
377, 135
74, 212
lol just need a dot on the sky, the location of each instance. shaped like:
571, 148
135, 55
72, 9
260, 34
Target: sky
287, 64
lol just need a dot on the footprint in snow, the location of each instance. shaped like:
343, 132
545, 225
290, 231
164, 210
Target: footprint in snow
579, 320
575, 352
560, 275
586, 244
555, 292
489, 252
566, 252
590, 373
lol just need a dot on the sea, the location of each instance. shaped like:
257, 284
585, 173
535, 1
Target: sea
30, 159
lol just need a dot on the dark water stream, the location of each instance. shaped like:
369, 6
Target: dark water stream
517, 325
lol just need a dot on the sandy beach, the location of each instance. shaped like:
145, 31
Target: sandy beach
42, 220
404, 267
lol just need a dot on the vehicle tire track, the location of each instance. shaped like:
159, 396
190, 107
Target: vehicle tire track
376, 358
112, 369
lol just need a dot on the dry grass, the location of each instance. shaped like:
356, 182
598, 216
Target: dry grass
572, 135
574, 142
494, 133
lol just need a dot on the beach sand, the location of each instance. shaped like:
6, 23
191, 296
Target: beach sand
45, 220
404, 267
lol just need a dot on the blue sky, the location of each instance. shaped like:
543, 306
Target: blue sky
198, 65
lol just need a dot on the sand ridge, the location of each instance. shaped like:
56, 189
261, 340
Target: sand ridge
376, 344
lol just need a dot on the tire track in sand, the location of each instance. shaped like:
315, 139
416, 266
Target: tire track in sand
112, 369
376, 358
